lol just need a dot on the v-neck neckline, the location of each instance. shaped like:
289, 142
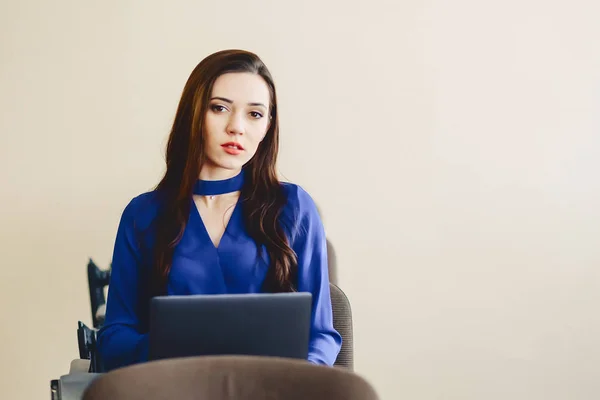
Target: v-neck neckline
229, 228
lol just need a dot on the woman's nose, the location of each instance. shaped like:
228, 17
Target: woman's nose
235, 125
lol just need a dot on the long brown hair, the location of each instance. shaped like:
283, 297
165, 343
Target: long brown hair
262, 197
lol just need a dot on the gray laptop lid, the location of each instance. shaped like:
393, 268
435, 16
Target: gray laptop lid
230, 324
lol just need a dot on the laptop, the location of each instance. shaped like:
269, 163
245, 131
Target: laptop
262, 324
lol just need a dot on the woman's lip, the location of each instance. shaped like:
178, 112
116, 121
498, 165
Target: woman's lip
234, 151
232, 148
233, 145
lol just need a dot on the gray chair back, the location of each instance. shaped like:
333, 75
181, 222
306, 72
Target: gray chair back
229, 378
342, 322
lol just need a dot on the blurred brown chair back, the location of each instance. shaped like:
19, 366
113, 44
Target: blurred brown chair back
230, 378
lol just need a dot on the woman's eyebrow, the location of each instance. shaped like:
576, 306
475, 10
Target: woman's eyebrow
223, 99
257, 105
226, 100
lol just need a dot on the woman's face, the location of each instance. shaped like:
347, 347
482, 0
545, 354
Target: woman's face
236, 121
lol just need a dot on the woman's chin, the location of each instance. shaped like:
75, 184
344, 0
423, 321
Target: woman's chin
224, 165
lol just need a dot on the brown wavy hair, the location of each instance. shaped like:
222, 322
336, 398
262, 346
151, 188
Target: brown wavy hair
262, 197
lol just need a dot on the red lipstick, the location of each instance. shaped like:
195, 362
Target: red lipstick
232, 148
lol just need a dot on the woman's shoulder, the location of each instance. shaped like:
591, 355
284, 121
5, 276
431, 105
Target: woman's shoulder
298, 199
300, 209
141, 209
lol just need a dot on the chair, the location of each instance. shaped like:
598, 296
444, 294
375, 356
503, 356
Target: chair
230, 377
86, 341
97, 280
90, 362
342, 322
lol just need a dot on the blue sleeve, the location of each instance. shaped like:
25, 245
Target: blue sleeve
310, 244
120, 342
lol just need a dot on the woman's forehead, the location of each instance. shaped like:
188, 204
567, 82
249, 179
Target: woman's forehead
242, 87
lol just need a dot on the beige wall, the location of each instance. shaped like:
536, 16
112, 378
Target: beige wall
452, 148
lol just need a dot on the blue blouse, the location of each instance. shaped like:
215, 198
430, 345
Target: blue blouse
198, 267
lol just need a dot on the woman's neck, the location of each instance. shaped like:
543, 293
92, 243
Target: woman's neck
218, 186
210, 173
220, 201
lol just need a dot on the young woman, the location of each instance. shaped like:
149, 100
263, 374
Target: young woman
219, 221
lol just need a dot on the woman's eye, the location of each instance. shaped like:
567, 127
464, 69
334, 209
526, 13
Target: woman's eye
218, 108
255, 114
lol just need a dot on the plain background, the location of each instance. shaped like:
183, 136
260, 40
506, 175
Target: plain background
452, 147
